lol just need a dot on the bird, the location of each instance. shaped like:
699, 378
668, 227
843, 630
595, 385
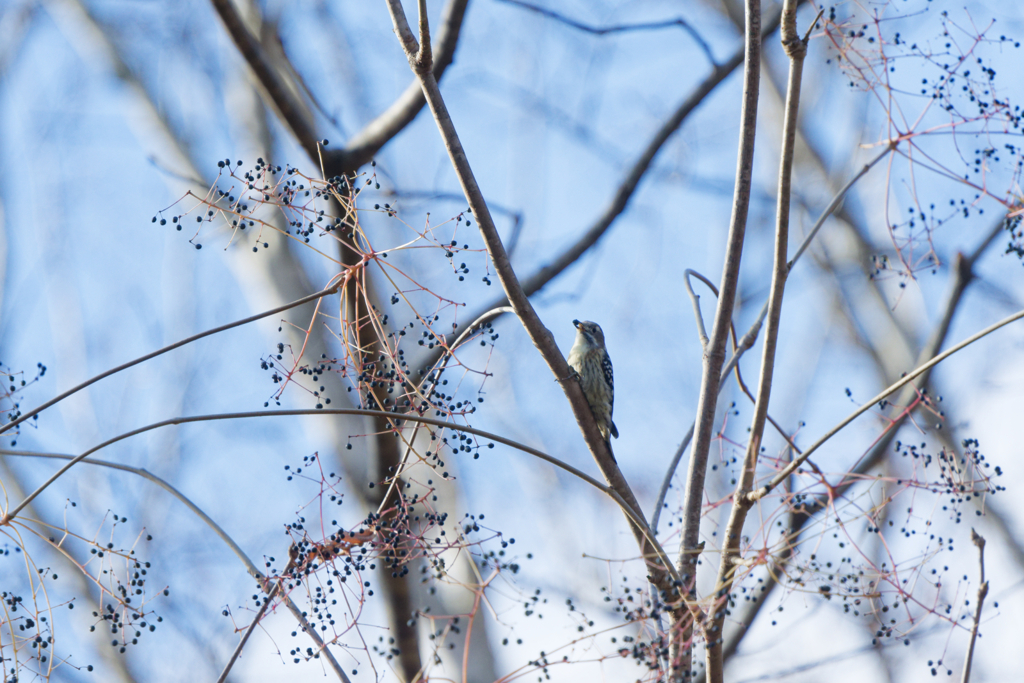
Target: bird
589, 358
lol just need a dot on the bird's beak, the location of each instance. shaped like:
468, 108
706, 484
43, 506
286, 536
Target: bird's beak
576, 324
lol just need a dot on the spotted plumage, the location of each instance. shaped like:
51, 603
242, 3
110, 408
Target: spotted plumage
589, 358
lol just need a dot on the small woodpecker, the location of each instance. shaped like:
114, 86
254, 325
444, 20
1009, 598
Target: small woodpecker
589, 358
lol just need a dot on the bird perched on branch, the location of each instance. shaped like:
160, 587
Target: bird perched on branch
589, 358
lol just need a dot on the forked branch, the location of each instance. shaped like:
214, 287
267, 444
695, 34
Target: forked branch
796, 48
680, 652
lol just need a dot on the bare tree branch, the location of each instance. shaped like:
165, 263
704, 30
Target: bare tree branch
546, 273
280, 95
680, 651
796, 49
396, 417
540, 335
360, 149
695, 300
619, 28
907, 379
979, 541
170, 347
661, 575
224, 536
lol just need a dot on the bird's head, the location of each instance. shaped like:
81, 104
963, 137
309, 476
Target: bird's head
590, 331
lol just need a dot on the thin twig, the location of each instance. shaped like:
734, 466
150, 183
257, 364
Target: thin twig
8, 517
979, 541
789, 469
834, 204
619, 28
666, 481
113, 371
223, 535
695, 300
248, 632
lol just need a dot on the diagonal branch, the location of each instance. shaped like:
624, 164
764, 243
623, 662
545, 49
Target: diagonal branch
170, 347
230, 542
654, 556
754, 496
278, 92
627, 187
541, 336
